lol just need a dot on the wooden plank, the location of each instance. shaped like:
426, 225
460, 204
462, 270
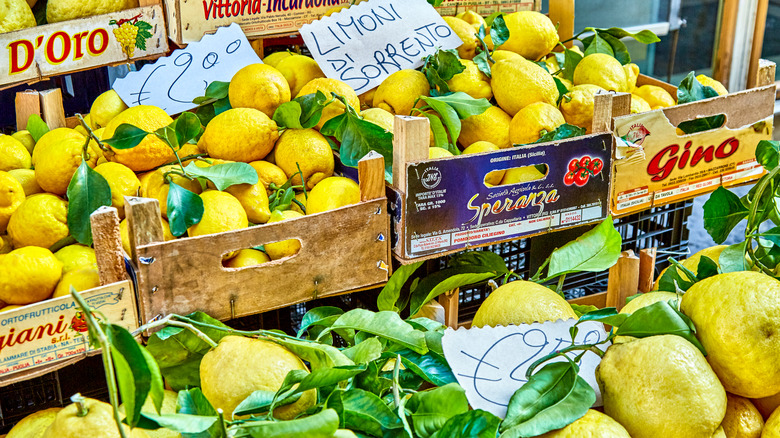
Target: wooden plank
623, 280
647, 80
410, 143
561, 13
371, 173
725, 45
646, 269
27, 103
52, 110
108, 245
143, 223
450, 302
754, 66
765, 74
599, 300
602, 113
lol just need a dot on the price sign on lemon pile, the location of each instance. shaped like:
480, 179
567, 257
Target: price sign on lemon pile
173, 82
368, 42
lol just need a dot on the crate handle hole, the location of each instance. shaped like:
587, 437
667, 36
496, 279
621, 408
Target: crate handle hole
260, 255
701, 124
516, 175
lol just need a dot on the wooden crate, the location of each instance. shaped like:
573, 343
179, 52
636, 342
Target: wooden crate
663, 166
36, 53
343, 250
44, 337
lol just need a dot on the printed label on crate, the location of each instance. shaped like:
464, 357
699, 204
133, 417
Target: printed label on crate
486, 7
172, 82
449, 206
490, 363
56, 329
368, 42
69, 46
656, 166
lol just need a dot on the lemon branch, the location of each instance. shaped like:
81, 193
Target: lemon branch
91, 134
753, 227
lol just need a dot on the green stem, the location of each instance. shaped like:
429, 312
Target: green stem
91, 133
188, 157
752, 226
78, 400
222, 422
396, 375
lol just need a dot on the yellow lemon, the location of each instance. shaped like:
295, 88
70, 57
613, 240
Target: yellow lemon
518, 83
479, 147
122, 182
28, 275
307, 150
75, 257
529, 123
299, 70
471, 81
79, 279
742, 419
125, 234
221, 212
632, 73
285, 248
26, 178
602, 70
772, 426
15, 15
398, 93
254, 199
437, 152
655, 96
33, 425
500, 55
520, 175
13, 154
154, 185
709, 82
577, 105
472, 18
592, 424
492, 125
11, 197
57, 161
379, 117
105, 107
328, 86
259, 86
332, 193
41, 220
335, 9
26, 139
64, 10
268, 173
531, 34
240, 134
467, 34
98, 422
81, 129
639, 105
275, 58
246, 258
367, 99
521, 302
152, 151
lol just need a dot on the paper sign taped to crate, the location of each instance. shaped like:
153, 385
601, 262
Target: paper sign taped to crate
368, 42
70, 46
487, 7
56, 329
656, 165
490, 363
474, 200
172, 82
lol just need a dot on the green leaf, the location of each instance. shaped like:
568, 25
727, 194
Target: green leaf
561, 133
87, 191
325, 377
193, 402
440, 68
499, 32
674, 279
385, 324
217, 90
768, 154
732, 259
487, 259
187, 127
608, 315
580, 310
450, 118
126, 136
483, 63
691, 90
133, 374
224, 175
363, 411
288, 115
473, 424
456, 277
463, 104
37, 127
706, 268
185, 209
598, 45
440, 137
182, 423
358, 137
659, 319
260, 401
157, 387
319, 315
321, 425
388, 297
303, 112
562, 90
594, 251
702, 124
431, 409
644, 36
365, 352
431, 367
318, 355
722, 212
571, 59
619, 49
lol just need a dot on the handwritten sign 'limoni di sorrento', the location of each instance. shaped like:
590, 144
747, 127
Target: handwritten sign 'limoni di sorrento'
366, 43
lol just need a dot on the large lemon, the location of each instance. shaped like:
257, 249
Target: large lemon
28, 275
527, 125
332, 193
285, 248
709, 82
63, 10
239, 366
221, 212
26, 177
307, 150
522, 302
13, 154
56, 160
15, 15
328, 86
493, 178
531, 34
520, 175
742, 419
98, 422
692, 262
33, 425
26, 139
11, 197
467, 34
259, 86
105, 107
471, 81
772, 426
41, 220
661, 386
593, 424
240, 134
639, 105
268, 173
737, 318
151, 151
398, 93
246, 258
122, 181
492, 125
79, 279
75, 257
655, 96
577, 105
299, 70
602, 70
518, 83
632, 74
254, 199
379, 117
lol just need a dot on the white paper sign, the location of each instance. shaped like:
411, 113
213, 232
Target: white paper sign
368, 42
490, 363
174, 81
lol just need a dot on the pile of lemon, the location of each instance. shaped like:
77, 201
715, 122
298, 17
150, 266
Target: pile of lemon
18, 14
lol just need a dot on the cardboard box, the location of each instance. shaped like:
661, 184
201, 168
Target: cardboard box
487, 7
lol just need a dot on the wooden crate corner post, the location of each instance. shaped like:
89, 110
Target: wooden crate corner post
410, 143
107, 241
623, 280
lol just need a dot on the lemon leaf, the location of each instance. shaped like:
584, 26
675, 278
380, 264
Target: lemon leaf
499, 32
431, 367
193, 402
644, 36
451, 120
36, 126
385, 324
321, 425
185, 209
132, 369
475, 424
187, 127
619, 49
182, 423
561, 133
431, 409
388, 297
732, 259
358, 137
691, 90
597, 44
660, 319
87, 191
126, 136
440, 68
463, 104
365, 412
570, 61
594, 251
224, 175
722, 212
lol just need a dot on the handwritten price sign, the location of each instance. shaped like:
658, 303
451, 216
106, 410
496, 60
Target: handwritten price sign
173, 82
490, 363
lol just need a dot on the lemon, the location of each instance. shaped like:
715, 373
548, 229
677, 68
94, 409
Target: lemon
26, 177
15, 15
221, 212
268, 173
492, 125
518, 83
527, 125
531, 34
661, 386
398, 92
335, 9
240, 134
577, 105
719, 433
655, 96
471, 81
467, 34
98, 422
63, 10
239, 366
259, 86
122, 182
632, 74
602, 70
709, 82
742, 337
152, 151
493, 178
41, 220
299, 70
692, 262
520, 175
80, 279
521, 302
6, 245
500, 55
552, 64
639, 105
254, 200
56, 160
246, 258
772, 426
437, 152
125, 233
332, 193
379, 117
308, 150
10, 308
328, 86
285, 248
168, 407
592, 424
13, 154
367, 99
472, 18
75, 257
11, 197
28, 275
105, 107
33, 425
742, 419
275, 58
26, 139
